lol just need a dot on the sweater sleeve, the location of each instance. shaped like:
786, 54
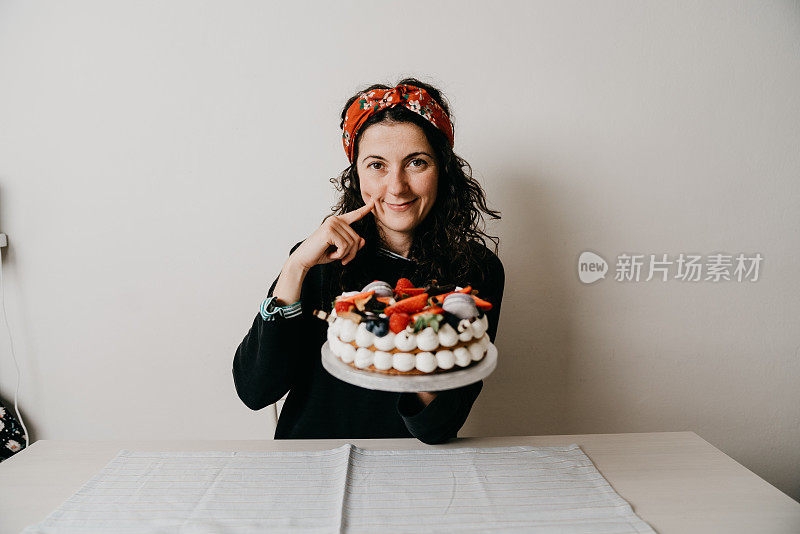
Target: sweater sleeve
264, 368
444, 416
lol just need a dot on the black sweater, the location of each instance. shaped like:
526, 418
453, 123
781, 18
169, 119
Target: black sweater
284, 355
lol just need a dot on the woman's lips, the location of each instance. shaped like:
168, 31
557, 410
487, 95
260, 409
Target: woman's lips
400, 207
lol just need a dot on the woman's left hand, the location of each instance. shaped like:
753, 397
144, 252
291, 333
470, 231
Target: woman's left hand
425, 397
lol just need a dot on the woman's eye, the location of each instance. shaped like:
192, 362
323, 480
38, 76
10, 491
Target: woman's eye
374, 163
419, 162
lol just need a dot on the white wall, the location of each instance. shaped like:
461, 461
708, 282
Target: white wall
148, 151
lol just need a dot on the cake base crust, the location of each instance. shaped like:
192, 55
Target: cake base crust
438, 370
413, 351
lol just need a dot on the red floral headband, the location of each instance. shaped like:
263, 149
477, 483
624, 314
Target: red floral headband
414, 98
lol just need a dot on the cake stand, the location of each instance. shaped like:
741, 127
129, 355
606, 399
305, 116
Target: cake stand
409, 383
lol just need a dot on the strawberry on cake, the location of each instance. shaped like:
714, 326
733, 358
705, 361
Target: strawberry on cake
405, 330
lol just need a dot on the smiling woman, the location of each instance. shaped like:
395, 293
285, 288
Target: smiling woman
409, 208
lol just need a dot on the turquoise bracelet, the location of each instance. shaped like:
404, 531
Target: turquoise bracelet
270, 311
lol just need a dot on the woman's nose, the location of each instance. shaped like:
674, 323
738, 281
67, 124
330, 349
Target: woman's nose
396, 182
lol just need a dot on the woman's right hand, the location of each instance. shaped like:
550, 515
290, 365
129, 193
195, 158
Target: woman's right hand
333, 240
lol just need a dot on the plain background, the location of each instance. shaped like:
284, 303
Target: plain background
158, 159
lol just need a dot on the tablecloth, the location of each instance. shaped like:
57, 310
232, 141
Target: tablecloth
348, 490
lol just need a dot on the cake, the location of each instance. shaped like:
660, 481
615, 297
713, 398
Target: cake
405, 330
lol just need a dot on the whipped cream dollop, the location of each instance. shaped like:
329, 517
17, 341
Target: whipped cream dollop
403, 361
363, 359
427, 339
364, 338
347, 329
479, 326
462, 356
405, 340
425, 362
382, 360
385, 342
347, 352
445, 359
447, 335
465, 332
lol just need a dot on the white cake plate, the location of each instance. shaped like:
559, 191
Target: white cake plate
409, 383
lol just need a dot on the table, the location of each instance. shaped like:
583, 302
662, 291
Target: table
675, 481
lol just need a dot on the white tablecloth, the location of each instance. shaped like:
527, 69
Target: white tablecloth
348, 489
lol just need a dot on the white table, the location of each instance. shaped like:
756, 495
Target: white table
676, 481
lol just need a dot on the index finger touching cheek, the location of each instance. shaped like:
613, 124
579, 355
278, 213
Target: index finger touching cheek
352, 216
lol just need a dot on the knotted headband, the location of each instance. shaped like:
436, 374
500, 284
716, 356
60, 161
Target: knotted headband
416, 99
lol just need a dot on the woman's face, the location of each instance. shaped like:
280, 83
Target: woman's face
397, 168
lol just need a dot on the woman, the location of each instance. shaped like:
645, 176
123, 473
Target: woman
409, 208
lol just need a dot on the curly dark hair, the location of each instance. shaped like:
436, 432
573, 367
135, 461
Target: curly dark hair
443, 243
